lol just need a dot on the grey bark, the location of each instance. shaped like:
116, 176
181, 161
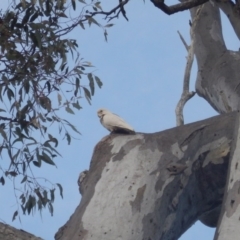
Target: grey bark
232, 12
10, 233
228, 224
218, 78
154, 186
218, 81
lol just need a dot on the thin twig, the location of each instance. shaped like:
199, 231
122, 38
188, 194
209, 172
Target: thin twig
186, 95
177, 7
183, 40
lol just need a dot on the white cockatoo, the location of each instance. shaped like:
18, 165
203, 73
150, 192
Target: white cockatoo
113, 122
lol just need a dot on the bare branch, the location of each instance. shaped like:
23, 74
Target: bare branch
119, 8
183, 40
177, 7
110, 15
186, 95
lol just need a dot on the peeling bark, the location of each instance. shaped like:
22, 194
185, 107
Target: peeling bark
154, 186
10, 233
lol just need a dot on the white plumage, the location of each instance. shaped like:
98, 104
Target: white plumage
113, 122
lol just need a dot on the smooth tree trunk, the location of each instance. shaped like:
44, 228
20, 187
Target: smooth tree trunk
218, 81
228, 224
154, 186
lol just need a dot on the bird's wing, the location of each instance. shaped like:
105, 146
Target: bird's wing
111, 120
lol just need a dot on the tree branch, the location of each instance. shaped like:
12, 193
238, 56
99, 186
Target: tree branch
186, 95
177, 7
158, 198
229, 219
231, 10
114, 13
119, 7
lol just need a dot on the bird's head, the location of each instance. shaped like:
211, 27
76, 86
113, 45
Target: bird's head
101, 112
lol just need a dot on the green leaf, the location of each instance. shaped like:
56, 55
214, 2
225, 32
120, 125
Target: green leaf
82, 26
66, 71
22, 197
45, 103
61, 14
24, 179
60, 189
27, 15
30, 204
48, 8
69, 110
97, 4
50, 207
77, 83
15, 156
73, 128
12, 173
14, 215
105, 35
46, 144
87, 95
63, 66
68, 138
98, 81
48, 86
45, 195
2, 180
74, 4
2, 132
52, 195
59, 99
40, 205
37, 164
10, 94
53, 139
26, 86
14, 21
24, 167
47, 159
41, 117
34, 16
109, 25
76, 105
92, 20
34, 38
91, 83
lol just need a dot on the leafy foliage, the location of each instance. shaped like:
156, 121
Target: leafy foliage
35, 75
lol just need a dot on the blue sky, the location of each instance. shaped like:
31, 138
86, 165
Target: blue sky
142, 67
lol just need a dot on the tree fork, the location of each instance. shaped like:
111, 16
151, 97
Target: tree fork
154, 186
